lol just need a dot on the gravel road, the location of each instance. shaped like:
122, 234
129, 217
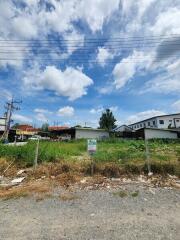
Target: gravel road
101, 214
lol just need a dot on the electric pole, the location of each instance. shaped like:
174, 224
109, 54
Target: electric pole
10, 107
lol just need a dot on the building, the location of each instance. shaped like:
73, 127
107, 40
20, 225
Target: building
157, 133
160, 122
80, 133
52, 128
2, 123
124, 131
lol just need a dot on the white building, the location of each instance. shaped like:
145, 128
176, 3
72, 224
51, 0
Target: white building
81, 133
2, 123
161, 122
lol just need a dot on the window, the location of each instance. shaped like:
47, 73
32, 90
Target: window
170, 120
137, 126
149, 123
144, 125
177, 120
141, 125
154, 123
161, 121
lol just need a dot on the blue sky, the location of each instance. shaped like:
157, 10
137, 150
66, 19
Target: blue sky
69, 60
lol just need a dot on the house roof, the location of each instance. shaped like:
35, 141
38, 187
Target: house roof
160, 129
90, 129
115, 129
52, 128
167, 115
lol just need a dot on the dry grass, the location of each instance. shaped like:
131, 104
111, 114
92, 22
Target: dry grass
68, 197
40, 188
7, 168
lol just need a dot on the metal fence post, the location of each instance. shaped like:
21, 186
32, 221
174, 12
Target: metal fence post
36, 154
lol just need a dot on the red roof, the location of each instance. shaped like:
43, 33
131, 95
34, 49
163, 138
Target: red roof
51, 128
26, 127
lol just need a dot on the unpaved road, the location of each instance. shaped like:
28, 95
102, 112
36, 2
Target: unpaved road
99, 214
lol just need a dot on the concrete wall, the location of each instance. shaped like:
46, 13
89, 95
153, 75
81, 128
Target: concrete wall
90, 133
154, 133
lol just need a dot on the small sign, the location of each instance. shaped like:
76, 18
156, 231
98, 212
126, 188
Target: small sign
92, 146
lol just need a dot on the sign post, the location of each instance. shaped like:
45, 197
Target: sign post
92, 147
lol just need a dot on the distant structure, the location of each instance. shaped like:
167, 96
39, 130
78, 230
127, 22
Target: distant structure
164, 126
160, 122
56, 128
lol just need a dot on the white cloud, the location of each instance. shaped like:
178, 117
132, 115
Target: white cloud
21, 118
101, 109
66, 111
125, 70
167, 22
103, 55
41, 110
143, 115
6, 94
96, 12
166, 82
97, 110
29, 29
114, 108
41, 117
71, 83
176, 106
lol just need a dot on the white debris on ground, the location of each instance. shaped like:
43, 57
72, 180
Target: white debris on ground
20, 172
17, 180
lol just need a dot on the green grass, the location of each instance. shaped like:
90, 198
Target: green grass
126, 154
121, 194
135, 194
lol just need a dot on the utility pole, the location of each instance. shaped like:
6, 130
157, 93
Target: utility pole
10, 107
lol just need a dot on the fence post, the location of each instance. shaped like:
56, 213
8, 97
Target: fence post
92, 147
148, 157
36, 154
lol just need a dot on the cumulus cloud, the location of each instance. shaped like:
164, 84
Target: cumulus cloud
103, 55
66, 111
97, 110
166, 82
101, 109
21, 118
125, 70
71, 82
96, 12
167, 22
39, 19
144, 115
41, 110
41, 117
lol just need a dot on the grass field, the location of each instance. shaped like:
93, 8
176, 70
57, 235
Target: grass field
113, 156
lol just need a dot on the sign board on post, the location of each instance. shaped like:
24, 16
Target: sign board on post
92, 146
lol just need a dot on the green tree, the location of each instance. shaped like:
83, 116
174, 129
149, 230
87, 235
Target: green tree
45, 127
107, 120
15, 126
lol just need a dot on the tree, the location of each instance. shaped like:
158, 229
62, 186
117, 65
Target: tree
45, 127
107, 120
15, 126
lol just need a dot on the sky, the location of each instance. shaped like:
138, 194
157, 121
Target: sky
69, 60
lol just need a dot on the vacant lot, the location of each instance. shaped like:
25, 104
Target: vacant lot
117, 156
127, 212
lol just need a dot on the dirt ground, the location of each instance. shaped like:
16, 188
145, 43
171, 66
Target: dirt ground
131, 211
